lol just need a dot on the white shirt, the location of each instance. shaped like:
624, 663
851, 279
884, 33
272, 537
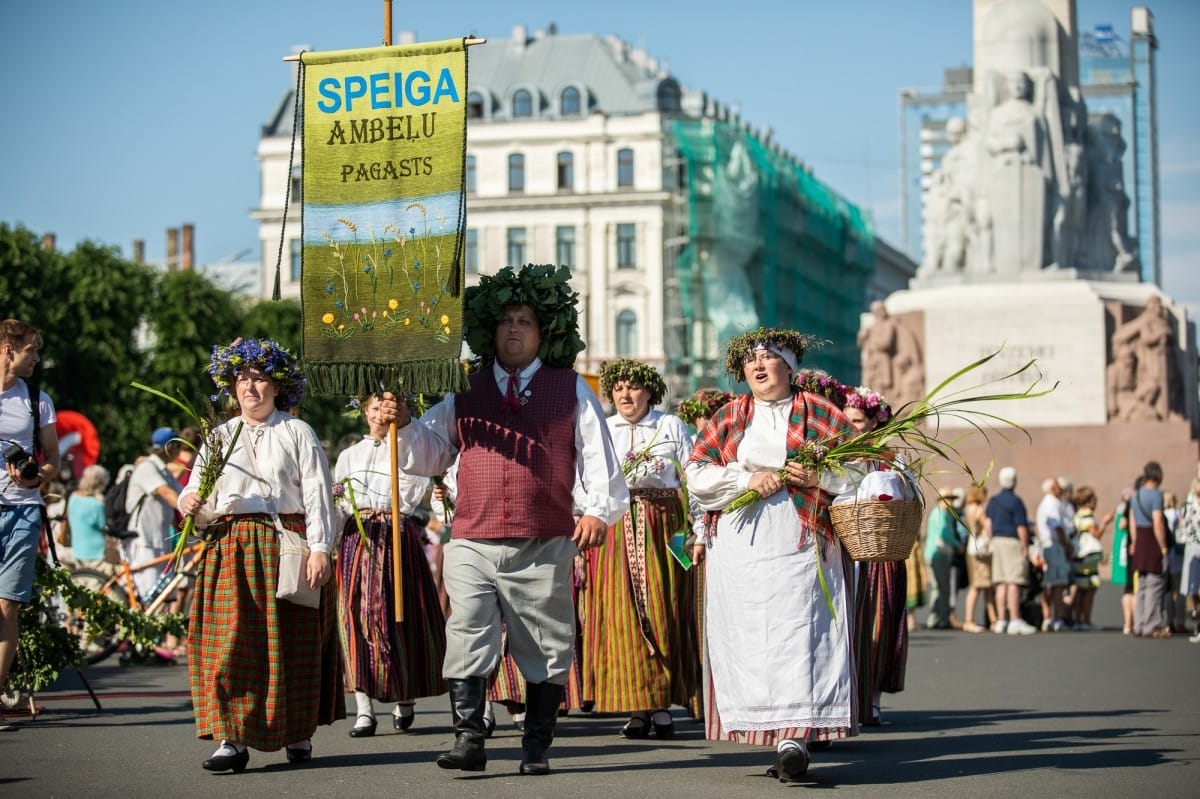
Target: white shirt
429, 445
294, 474
16, 426
1049, 520
149, 514
669, 443
367, 467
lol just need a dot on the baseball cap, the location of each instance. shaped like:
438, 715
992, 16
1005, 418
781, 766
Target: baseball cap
161, 436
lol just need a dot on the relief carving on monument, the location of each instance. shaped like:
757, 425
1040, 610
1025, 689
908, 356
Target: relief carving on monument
1143, 379
893, 362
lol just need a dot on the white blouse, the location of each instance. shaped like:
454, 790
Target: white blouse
292, 477
367, 468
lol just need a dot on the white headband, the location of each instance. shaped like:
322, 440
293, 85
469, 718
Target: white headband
788, 356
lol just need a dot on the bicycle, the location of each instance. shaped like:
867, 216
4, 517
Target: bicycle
121, 588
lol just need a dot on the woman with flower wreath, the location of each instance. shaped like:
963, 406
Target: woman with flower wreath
385, 659
264, 671
880, 601
778, 606
701, 406
639, 648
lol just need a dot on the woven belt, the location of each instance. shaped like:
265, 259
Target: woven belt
653, 493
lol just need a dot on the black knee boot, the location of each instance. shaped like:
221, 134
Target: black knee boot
467, 698
541, 714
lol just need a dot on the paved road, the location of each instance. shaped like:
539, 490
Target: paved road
1067, 714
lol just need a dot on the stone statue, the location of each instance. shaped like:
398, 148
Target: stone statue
879, 343
1020, 177
949, 204
1121, 379
1109, 247
1070, 210
892, 362
1151, 339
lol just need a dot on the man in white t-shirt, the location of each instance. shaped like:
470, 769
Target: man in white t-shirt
20, 499
150, 503
1056, 555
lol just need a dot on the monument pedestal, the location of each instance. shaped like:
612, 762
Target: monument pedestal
1068, 326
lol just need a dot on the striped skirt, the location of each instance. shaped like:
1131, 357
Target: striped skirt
640, 649
264, 672
388, 660
881, 631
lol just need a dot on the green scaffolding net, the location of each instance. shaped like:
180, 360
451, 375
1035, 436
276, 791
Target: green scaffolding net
762, 242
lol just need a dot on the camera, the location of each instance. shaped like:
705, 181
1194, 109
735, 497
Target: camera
24, 463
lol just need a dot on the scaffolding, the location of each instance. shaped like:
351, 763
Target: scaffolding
757, 241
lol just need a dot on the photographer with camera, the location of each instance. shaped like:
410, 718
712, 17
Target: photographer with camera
26, 419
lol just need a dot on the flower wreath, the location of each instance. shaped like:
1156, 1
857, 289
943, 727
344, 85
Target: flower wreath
741, 346
870, 402
630, 371
704, 402
270, 358
543, 287
816, 381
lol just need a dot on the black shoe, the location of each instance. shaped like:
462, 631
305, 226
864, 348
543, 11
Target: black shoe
235, 763
534, 764
819, 746
402, 723
791, 764
299, 755
664, 732
636, 728
364, 732
468, 754
489, 727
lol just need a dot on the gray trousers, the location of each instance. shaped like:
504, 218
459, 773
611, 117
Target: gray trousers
1148, 613
524, 582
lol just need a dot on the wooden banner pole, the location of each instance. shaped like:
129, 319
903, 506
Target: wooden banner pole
387, 23
397, 530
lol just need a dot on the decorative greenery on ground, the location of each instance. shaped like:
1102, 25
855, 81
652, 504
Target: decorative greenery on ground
47, 646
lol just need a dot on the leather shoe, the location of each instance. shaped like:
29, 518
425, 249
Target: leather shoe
489, 727
664, 732
364, 731
791, 764
467, 754
637, 728
299, 755
235, 762
402, 723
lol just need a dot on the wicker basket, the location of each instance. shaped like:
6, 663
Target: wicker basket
878, 531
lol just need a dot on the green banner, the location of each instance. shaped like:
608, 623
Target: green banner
384, 211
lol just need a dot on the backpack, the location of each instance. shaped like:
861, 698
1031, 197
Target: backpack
116, 518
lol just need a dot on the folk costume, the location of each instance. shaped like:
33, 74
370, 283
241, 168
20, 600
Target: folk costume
241, 636
779, 606
264, 672
385, 659
533, 452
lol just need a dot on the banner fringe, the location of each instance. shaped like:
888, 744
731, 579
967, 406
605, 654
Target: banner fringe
360, 378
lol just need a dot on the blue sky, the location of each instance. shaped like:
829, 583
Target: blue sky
125, 118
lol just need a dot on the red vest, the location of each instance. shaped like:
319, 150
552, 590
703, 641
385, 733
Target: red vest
516, 469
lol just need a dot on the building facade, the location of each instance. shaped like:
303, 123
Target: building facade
681, 224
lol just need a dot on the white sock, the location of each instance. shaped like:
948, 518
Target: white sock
518, 717
661, 717
365, 707
305, 744
788, 743
227, 749
405, 709
488, 713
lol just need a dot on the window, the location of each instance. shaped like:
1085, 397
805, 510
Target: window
469, 177
522, 103
296, 251
471, 252
626, 246
668, 96
516, 172
570, 105
516, 246
296, 193
624, 168
566, 171
626, 334
474, 105
564, 245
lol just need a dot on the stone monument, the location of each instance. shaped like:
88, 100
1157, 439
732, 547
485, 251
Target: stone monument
1028, 252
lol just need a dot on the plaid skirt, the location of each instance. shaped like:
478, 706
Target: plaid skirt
264, 672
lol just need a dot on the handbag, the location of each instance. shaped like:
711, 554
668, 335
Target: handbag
292, 583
